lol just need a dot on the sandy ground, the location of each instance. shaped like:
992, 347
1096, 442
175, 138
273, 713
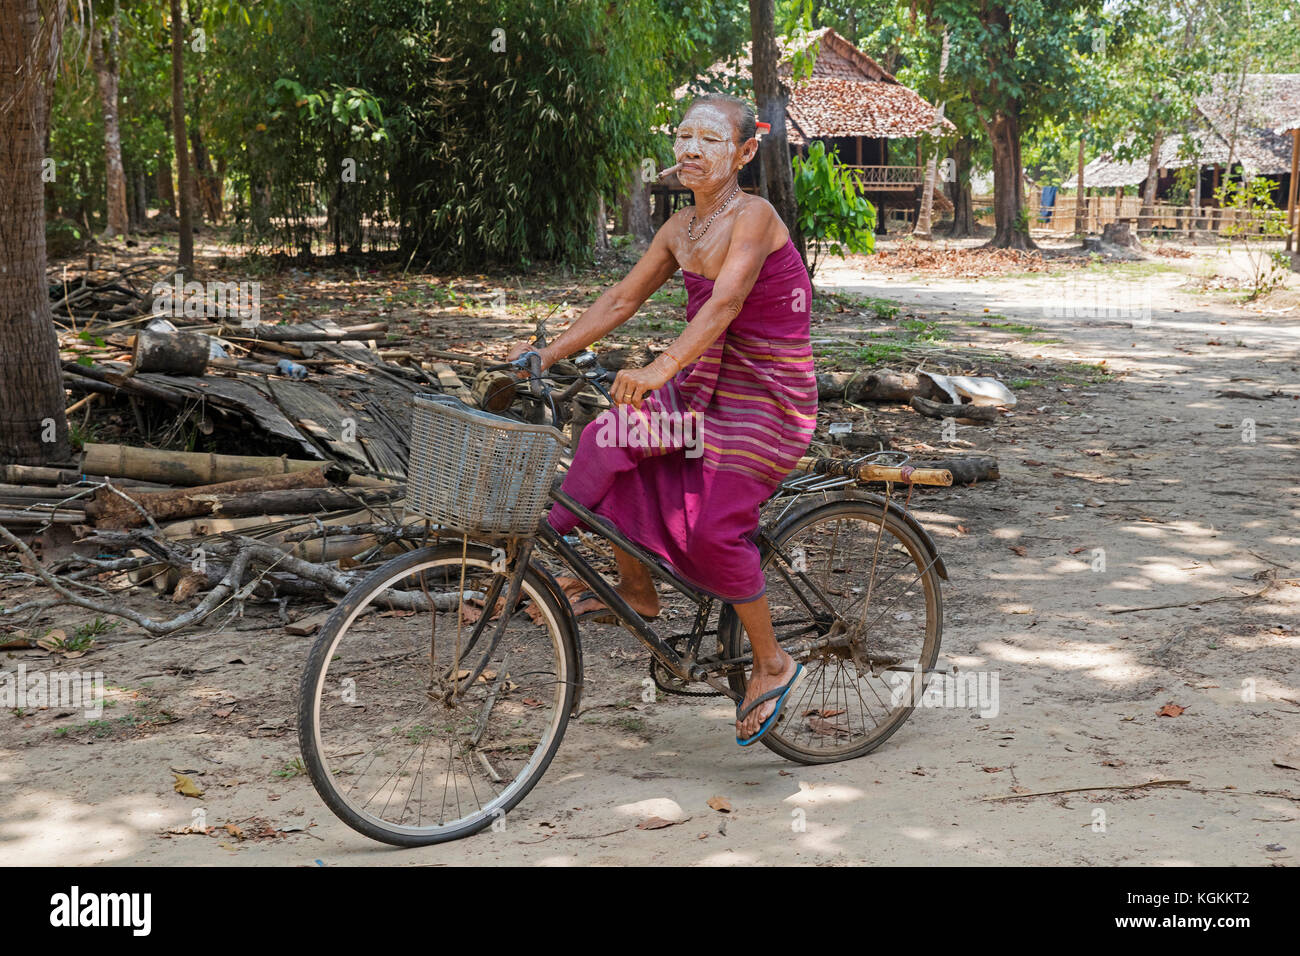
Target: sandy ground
1186, 510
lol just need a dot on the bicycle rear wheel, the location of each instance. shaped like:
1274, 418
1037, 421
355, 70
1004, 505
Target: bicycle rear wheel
859, 581
414, 731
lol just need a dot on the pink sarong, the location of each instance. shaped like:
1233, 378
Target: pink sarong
684, 477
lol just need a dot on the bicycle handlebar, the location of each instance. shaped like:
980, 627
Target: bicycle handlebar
589, 372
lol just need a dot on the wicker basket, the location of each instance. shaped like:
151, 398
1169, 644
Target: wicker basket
477, 472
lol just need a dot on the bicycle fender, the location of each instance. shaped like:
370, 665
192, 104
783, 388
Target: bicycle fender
908, 519
566, 609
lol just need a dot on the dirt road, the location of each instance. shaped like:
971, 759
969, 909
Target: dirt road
1151, 489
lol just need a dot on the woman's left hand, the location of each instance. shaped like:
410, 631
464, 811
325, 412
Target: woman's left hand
631, 384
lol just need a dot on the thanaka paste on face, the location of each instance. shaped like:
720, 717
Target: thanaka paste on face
707, 137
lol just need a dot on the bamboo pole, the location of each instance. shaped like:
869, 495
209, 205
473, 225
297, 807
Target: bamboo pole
184, 468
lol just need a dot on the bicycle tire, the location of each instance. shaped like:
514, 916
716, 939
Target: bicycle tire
313, 687
799, 523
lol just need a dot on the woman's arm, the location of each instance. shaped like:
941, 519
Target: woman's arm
751, 238
616, 305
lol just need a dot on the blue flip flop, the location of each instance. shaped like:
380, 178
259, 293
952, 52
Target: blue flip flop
780, 693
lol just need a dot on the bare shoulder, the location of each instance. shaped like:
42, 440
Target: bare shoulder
757, 220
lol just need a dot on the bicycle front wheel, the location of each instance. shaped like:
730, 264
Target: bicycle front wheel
414, 729
854, 595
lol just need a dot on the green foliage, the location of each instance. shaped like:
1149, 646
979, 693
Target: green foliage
1179, 192
833, 215
478, 131
1260, 222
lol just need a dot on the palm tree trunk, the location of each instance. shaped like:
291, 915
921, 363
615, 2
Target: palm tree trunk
33, 428
926, 212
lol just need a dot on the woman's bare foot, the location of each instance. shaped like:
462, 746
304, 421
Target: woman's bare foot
767, 675
635, 586
644, 603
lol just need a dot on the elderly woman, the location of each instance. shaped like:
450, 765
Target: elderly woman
742, 370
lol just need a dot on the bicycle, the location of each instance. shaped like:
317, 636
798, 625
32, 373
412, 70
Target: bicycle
439, 689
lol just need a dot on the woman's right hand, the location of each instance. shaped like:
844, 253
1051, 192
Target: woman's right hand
522, 348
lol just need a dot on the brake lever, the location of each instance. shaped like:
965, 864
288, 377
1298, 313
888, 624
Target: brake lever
597, 380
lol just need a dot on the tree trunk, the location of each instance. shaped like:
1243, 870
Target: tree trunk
598, 225
634, 207
924, 214
959, 191
166, 189
1012, 229
207, 183
33, 428
1193, 221
1152, 181
1081, 200
106, 73
774, 147
139, 207
186, 258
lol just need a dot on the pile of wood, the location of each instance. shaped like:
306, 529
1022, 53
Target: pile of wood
195, 525
105, 297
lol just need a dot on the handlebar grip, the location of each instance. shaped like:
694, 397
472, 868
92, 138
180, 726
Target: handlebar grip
535, 385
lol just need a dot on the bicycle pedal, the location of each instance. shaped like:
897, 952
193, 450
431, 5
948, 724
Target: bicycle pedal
669, 683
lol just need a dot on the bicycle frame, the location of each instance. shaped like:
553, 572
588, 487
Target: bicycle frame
830, 476
682, 666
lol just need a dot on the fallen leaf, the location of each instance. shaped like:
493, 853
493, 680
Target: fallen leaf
185, 785
827, 728
1170, 710
53, 640
1112, 763
1020, 550
823, 712
532, 702
16, 641
721, 804
993, 769
658, 823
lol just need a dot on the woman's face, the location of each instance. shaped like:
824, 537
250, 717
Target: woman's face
706, 147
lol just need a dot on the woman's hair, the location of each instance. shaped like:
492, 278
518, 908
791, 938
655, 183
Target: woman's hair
742, 112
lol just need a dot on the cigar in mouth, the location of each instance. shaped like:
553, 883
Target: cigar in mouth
670, 169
